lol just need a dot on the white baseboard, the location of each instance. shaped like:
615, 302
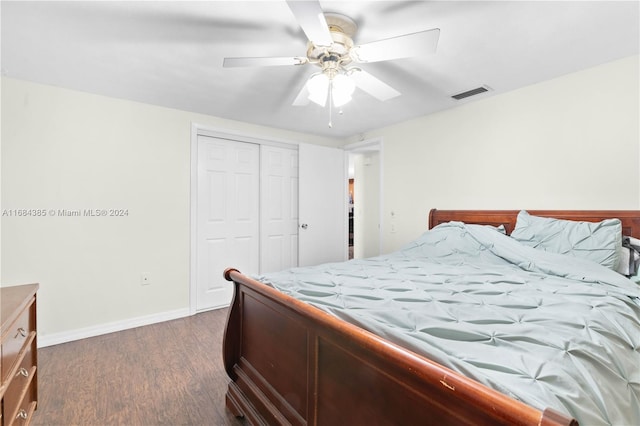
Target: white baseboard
97, 330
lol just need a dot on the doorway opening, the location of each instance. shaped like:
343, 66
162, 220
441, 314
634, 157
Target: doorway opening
365, 198
350, 214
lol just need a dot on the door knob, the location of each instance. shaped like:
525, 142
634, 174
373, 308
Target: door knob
304, 226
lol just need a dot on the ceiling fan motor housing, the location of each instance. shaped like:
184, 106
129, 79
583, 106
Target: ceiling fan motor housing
335, 57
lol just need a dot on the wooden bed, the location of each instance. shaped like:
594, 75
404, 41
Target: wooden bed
291, 363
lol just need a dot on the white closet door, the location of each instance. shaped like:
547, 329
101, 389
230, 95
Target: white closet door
278, 208
323, 205
227, 216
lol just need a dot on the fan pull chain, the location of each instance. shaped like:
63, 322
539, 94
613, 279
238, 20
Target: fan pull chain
330, 103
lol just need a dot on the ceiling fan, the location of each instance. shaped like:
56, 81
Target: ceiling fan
331, 48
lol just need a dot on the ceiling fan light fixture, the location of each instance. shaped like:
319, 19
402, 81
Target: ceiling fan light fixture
342, 88
318, 87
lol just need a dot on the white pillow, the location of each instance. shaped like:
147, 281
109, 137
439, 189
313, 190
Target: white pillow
600, 242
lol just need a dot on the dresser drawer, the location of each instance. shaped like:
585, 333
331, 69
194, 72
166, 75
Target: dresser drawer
24, 415
15, 338
18, 354
21, 391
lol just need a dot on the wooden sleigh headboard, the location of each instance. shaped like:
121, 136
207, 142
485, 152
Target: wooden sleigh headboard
630, 218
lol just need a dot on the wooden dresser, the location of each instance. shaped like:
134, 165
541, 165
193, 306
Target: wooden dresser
19, 388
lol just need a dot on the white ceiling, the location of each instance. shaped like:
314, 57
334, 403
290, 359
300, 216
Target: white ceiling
171, 53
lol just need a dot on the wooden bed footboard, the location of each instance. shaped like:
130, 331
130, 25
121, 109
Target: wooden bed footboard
291, 363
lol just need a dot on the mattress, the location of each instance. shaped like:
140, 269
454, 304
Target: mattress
547, 329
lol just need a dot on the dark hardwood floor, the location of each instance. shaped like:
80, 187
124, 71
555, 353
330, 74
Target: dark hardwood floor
162, 374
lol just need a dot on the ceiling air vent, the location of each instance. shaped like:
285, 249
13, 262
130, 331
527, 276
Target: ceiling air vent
471, 92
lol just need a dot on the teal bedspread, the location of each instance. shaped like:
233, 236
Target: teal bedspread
547, 329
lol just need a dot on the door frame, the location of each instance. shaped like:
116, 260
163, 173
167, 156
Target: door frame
221, 133
371, 145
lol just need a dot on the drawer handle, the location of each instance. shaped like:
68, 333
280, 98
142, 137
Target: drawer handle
22, 415
22, 332
23, 372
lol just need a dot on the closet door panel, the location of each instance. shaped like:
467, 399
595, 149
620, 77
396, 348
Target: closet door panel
279, 208
228, 220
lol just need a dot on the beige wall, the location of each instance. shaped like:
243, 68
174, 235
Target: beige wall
1, 204
64, 149
568, 143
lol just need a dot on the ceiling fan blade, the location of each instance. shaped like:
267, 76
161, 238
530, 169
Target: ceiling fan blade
263, 62
303, 97
311, 19
373, 86
404, 46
